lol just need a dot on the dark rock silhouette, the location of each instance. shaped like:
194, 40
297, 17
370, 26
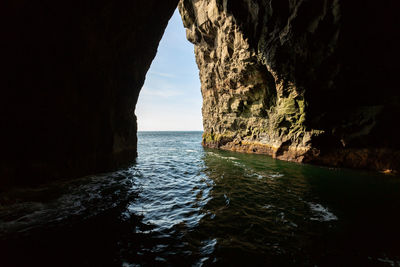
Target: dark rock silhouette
308, 81
73, 76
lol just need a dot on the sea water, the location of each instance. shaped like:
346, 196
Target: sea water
181, 204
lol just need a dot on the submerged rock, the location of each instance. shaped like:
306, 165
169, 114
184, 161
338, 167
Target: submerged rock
305, 81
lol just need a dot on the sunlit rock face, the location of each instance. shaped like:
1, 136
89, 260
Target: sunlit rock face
305, 81
73, 71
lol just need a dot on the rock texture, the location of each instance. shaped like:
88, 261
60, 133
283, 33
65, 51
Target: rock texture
301, 80
72, 72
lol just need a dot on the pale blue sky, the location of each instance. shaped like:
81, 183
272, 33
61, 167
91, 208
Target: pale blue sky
170, 99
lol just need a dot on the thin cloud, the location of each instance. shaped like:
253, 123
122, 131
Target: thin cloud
162, 74
160, 93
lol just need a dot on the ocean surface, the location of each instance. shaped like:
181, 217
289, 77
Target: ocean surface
183, 205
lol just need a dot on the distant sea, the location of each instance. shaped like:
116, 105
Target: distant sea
181, 204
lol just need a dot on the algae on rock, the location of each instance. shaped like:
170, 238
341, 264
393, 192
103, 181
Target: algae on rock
289, 78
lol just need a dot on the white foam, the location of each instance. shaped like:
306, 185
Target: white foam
389, 261
268, 206
275, 175
221, 157
321, 213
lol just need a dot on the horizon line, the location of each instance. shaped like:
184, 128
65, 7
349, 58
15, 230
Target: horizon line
170, 131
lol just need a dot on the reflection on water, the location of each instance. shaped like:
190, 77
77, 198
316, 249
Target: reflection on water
183, 205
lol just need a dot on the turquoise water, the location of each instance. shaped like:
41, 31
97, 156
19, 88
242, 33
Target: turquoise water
180, 204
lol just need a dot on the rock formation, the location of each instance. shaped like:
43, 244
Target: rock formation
72, 74
301, 80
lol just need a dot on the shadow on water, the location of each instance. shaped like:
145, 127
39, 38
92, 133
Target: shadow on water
281, 213
183, 205
76, 223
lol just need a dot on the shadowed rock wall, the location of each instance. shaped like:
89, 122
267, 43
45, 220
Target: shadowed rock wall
301, 80
72, 72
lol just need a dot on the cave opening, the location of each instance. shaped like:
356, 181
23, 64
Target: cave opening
304, 81
170, 99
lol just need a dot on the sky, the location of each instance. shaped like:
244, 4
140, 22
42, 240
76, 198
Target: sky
170, 99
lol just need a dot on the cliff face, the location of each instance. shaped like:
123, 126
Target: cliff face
306, 81
301, 80
72, 77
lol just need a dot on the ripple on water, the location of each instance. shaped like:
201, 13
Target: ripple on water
181, 204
